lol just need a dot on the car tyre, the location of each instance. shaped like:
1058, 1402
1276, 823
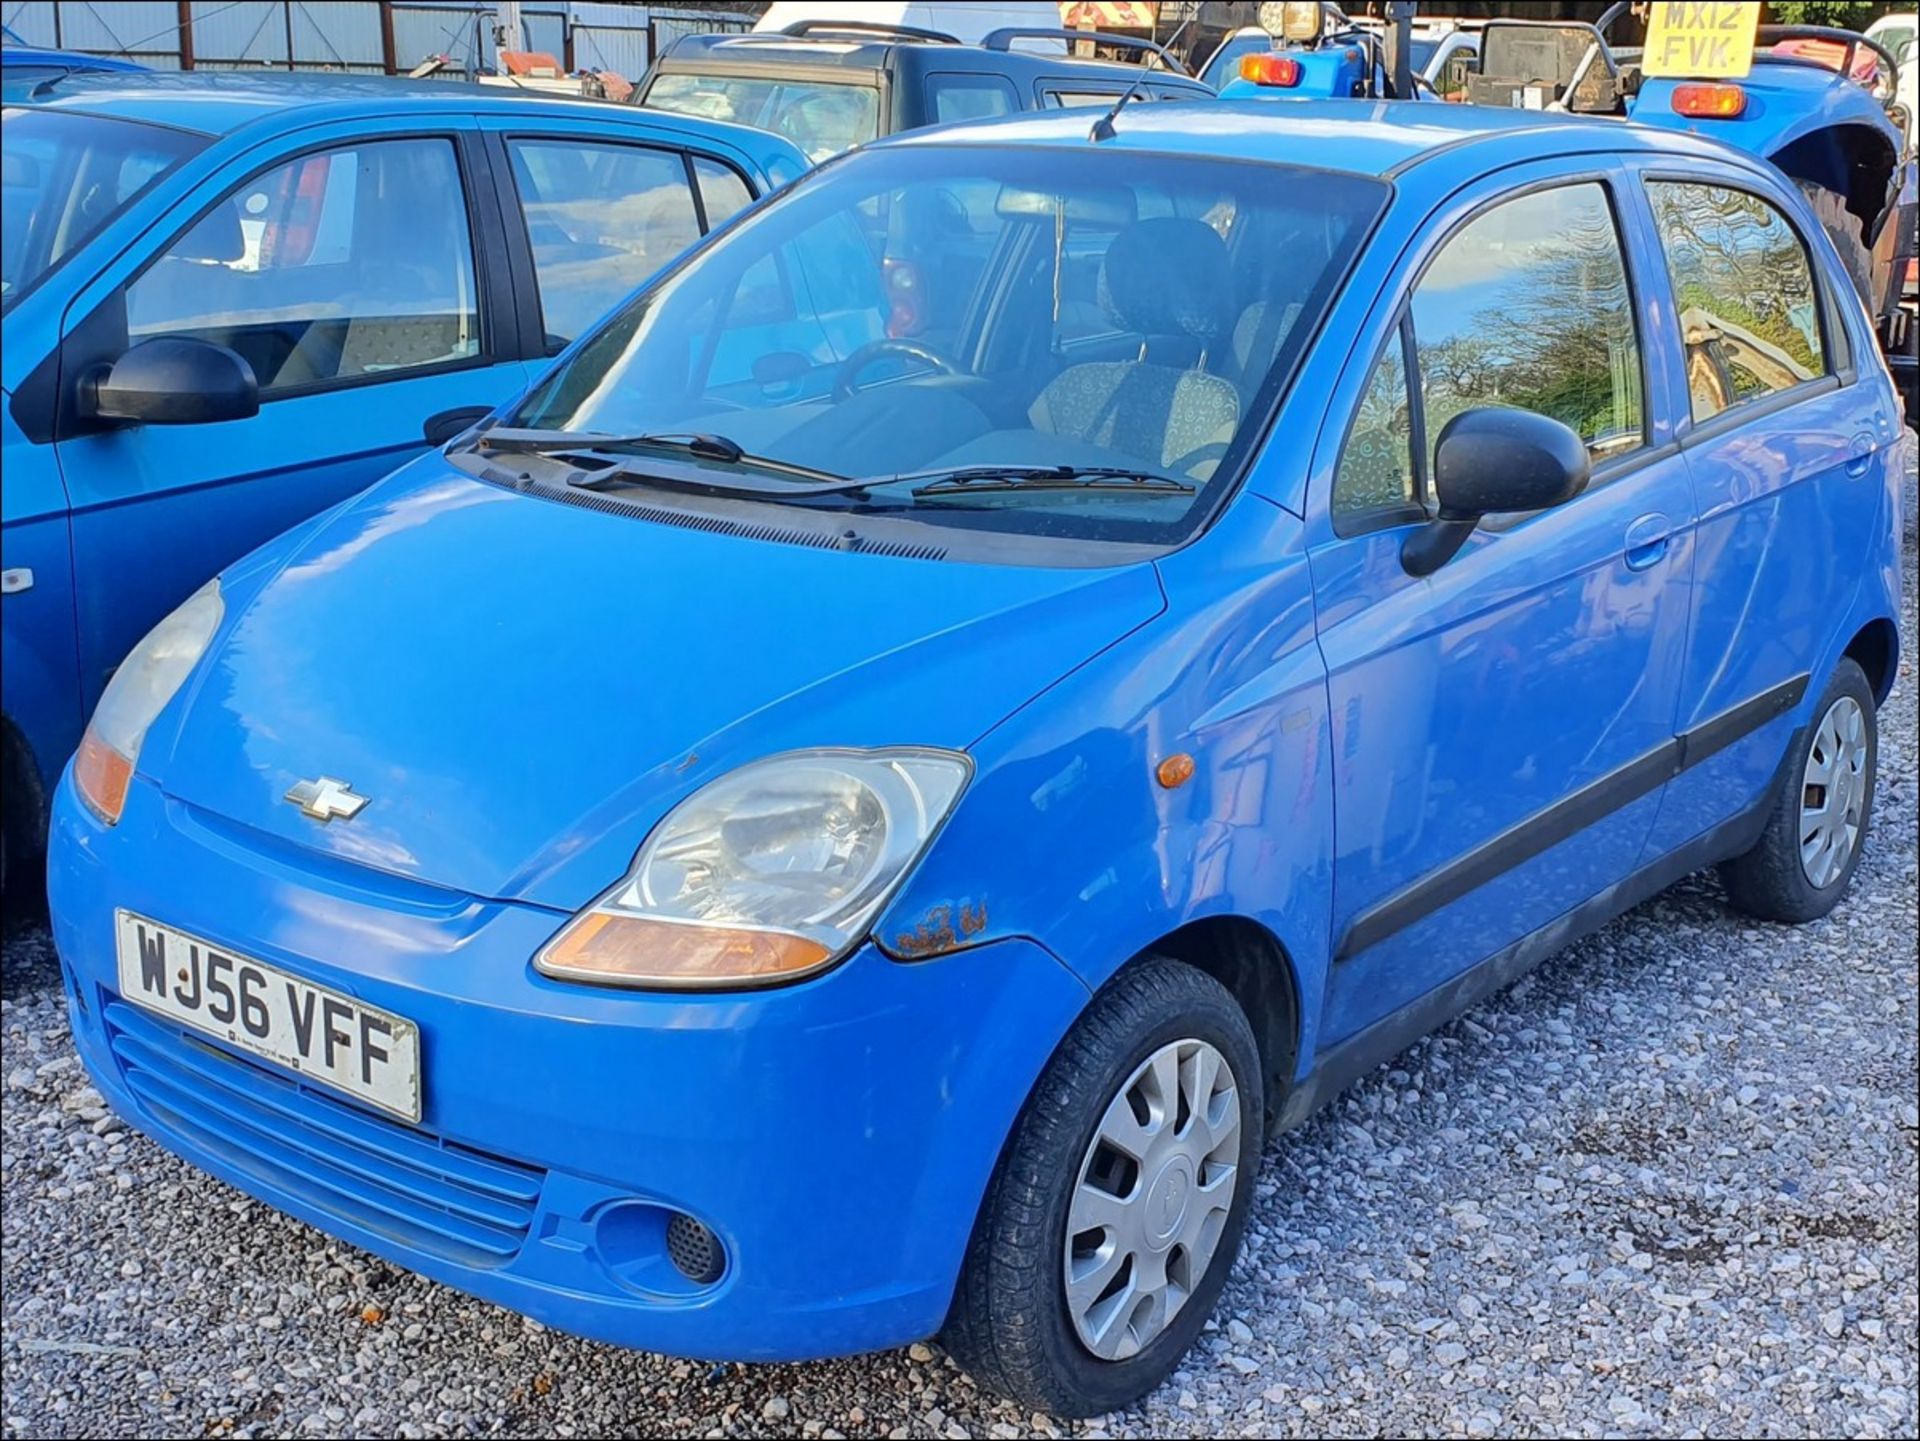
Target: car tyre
1011, 1324
19, 825
1794, 873
1843, 229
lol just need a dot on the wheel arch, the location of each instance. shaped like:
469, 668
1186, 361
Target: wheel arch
1875, 648
1255, 966
20, 777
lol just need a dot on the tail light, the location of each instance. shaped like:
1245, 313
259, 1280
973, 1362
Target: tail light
906, 296
1282, 71
1709, 102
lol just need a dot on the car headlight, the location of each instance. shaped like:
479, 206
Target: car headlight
767, 874
140, 689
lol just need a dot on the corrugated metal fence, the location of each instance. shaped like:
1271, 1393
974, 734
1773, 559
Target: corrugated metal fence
370, 36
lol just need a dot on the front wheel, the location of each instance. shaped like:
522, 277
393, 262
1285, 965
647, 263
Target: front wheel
1806, 857
1116, 1210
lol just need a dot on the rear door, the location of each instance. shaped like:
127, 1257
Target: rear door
594, 210
351, 267
1788, 451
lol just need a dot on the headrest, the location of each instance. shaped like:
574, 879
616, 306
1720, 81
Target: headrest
1168, 276
216, 237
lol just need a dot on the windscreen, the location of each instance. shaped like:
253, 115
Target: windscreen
65, 176
822, 118
915, 313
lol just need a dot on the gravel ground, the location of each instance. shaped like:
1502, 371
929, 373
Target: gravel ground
1666, 1184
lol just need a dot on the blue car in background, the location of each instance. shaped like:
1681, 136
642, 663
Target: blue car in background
768, 860
231, 301
26, 68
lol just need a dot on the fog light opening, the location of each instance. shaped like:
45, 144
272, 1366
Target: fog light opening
694, 1250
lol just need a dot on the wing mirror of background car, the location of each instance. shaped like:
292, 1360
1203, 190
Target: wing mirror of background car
1494, 461
779, 368
172, 380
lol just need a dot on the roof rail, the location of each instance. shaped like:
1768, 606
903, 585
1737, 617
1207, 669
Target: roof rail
801, 29
1003, 38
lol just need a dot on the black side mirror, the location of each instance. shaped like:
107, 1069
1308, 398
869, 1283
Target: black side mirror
1494, 461
779, 367
173, 380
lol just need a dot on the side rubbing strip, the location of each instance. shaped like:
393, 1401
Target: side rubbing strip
1564, 818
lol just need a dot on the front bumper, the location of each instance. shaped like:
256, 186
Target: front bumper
836, 1135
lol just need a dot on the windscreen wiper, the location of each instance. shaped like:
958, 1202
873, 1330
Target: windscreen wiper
512, 441
1111, 479
551, 442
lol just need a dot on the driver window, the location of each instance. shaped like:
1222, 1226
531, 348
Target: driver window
1527, 306
337, 266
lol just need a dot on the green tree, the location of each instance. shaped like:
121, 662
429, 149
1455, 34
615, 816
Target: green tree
1848, 14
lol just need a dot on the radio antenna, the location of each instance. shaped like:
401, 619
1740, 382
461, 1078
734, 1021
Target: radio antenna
1103, 127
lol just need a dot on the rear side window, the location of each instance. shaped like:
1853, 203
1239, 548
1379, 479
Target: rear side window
1748, 308
953, 97
822, 117
341, 265
601, 219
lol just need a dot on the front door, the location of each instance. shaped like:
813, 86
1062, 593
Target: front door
1499, 727
351, 273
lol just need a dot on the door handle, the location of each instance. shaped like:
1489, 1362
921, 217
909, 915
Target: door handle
1647, 541
441, 428
1860, 454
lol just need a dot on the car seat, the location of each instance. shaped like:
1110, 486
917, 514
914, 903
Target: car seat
1165, 279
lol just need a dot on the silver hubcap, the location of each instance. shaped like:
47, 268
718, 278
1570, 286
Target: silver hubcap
1152, 1198
1833, 793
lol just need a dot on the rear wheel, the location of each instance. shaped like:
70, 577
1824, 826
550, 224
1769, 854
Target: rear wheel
1806, 857
1116, 1210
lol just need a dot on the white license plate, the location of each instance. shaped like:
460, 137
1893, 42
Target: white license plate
370, 1054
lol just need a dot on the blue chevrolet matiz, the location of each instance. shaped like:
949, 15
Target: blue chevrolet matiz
1011, 672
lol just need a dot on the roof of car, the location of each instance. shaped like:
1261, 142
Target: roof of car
220, 102
1366, 137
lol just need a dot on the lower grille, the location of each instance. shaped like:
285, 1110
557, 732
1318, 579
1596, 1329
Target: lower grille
426, 1193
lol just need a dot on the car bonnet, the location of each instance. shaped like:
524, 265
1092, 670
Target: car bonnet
522, 688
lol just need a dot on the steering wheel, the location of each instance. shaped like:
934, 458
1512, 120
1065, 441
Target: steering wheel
850, 368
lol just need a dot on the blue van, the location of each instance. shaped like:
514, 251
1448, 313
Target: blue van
234, 300
767, 856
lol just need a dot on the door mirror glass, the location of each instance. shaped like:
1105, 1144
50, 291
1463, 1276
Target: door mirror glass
176, 381
1495, 460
